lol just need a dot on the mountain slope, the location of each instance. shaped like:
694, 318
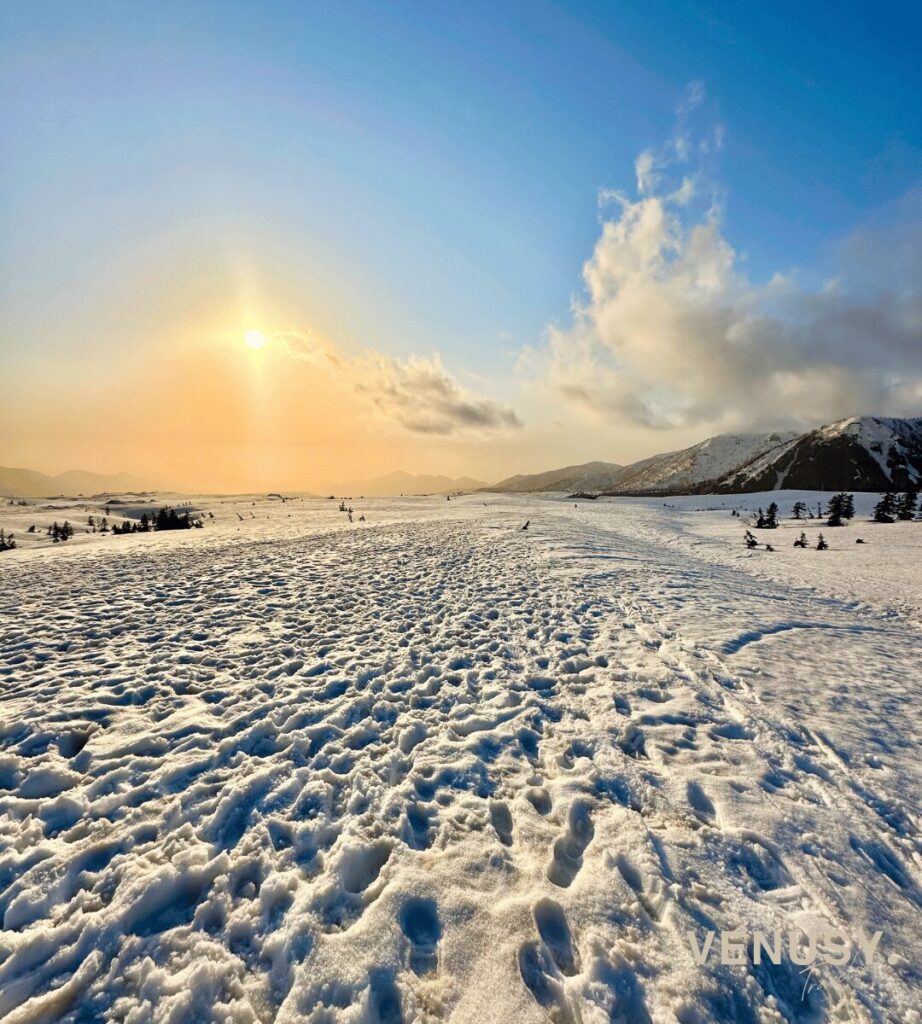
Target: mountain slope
690, 468
395, 484
861, 453
679, 471
868, 453
590, 476
28, 483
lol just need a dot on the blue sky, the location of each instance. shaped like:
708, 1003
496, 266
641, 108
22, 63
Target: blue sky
415, 177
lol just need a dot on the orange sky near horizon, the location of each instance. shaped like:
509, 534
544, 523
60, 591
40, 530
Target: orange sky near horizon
212, 413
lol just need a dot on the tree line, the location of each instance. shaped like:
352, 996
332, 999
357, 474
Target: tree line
840, 508
164, 519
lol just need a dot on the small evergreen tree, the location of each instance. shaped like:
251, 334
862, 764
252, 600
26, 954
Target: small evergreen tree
821, 544
799, 511
750, 540
885, 509
836, 510
771, 517
906, 505
760, 520
801, 541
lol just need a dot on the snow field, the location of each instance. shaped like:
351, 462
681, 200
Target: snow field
431, 767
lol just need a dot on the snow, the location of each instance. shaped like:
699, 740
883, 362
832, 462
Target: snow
709, 460
433, 767
877, 435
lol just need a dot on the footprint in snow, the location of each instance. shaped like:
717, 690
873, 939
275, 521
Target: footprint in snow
543, 980
419, 922
556, 935
501, 819
567, 858
701, 803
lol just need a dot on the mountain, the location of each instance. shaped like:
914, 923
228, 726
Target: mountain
862, 453
866, 453
394, 484
28, 483
689, 469
677, 472
590, 476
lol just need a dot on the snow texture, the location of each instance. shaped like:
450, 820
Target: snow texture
432, 767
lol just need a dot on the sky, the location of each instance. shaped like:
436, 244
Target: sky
251, 246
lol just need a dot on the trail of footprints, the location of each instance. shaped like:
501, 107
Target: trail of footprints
455, 675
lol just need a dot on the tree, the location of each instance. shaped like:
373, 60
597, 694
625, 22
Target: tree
751, 542
821, 544
771, 517
885, 509
841, 507
7, 541
760, 520
800, 510
801, 541
906, 505
169, 519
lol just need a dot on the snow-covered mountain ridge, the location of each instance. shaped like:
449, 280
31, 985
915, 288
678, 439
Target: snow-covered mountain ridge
861, 453
858, 453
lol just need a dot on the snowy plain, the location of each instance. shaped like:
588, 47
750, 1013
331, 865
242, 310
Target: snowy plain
432, 767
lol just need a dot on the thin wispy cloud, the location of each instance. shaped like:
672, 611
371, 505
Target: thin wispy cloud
418, 394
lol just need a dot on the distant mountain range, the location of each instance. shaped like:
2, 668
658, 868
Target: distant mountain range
868, 453
28, 483
395, 484
862, 453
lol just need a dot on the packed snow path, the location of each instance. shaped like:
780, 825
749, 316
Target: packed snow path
443, 769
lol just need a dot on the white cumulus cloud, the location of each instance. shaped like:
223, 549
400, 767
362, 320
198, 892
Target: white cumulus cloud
671, 332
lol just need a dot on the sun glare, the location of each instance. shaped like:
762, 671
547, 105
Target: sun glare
255, 339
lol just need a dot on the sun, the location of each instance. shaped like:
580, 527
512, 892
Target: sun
255, 339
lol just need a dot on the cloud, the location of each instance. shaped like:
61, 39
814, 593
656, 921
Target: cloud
417, 394
644, 169
672, 333
692, 97
421, 396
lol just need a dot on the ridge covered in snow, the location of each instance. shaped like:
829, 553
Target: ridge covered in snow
589, 476
686, 470
862, 453
858, 453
